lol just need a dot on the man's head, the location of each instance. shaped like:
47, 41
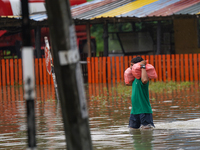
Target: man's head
136, 60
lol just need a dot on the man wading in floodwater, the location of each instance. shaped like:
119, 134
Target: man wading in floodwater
141, 112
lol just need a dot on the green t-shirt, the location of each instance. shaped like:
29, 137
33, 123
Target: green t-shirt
140, 98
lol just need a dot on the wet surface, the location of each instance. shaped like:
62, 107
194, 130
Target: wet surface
176, 117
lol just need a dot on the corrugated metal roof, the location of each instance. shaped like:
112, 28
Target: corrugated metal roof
126, 8
173, 8
80, 9
195, 9
87, 3
129, 8
141, 8
38, 17
147, 9
102, 9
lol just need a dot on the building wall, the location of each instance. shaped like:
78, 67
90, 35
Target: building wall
186, 36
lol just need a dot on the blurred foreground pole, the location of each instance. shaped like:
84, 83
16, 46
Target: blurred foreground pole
28, 75
68, 75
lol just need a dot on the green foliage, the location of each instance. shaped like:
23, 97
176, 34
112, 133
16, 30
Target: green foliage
156, 87
97, 32
127, 27
123, 90
151, 27
9, 57
120, 27
159, 87
98, 29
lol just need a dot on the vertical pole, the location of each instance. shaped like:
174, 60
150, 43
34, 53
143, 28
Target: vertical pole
126, 62
186, 67
89, 70
195, 68
104, 69
198, 60
28, 74
88, 39
100, 69
7, 72
182, 67
152, 63
133, 26
3, 72
156, 65
105, 37
177, 67
20, 71
191, 66
160, 68
168, 67
113, 69
117, 69
173, 67
158, 38
122, 67
93, 72
16, 72
164, 68
11, 72
108, 69
96, 69
68, 75
18, 48
38, 42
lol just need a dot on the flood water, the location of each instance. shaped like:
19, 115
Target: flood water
176, 117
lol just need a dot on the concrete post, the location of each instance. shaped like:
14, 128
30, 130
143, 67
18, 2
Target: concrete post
68, 75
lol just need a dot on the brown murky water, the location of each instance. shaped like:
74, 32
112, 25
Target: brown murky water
176, 117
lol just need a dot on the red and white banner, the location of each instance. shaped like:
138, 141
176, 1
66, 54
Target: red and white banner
47, 56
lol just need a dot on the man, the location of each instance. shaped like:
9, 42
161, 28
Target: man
141, 112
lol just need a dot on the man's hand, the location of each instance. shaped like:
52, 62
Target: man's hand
144, 77
143, 62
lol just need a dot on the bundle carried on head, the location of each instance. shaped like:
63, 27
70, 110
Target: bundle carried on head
130, 75
151, 72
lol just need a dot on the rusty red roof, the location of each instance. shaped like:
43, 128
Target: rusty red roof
173, 8
128, 9
134, 8
84, 8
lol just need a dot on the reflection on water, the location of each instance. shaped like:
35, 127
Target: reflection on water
13, 119
176, 117
142, 139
